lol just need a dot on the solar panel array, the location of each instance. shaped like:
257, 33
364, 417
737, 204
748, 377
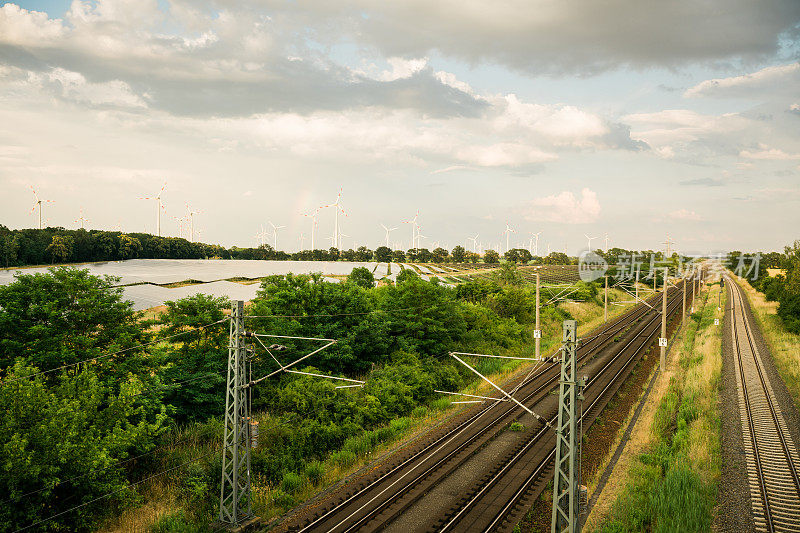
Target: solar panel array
163, 271
141, 278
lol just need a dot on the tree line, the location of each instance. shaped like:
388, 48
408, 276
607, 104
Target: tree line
51, 246
783, 287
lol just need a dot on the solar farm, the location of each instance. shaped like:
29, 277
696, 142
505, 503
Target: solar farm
151, 282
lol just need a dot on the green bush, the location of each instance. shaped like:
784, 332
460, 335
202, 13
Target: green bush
282, 499
343, 458
516, 426
315, 470
177, 523
291, 482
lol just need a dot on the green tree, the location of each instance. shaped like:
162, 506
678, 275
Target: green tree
362, 277
64, 316
129, 247
557, 258
9, 246
199, 361
491, 257
459, 254
315, 308
383, 254
60, 248
423, 317
398, 256
439, 255
405, 275
54, 435
509, 275
363, 254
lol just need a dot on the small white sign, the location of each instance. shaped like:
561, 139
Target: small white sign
719, 309
692, 311
537, 334
716, 321
662, 342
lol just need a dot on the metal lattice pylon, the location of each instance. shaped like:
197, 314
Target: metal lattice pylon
565, 481
234, 501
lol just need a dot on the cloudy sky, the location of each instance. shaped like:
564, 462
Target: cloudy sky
632, 118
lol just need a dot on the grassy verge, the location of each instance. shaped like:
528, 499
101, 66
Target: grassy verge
784, 346
672, 486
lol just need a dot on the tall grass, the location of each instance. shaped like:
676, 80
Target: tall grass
673, 485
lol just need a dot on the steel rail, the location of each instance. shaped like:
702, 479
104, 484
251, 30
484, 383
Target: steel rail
542, 432
755, 437
595, 342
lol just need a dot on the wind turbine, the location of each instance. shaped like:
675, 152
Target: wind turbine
261, 235
157, 198
275, 234
590, 240
302, 241
474, 242
82, 219
508, 231
607, 239
338, 207
38, 203
414, 229
388, 230
420, 236
180, 221
313, 216
190, 215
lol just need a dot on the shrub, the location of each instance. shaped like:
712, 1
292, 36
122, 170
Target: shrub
315, 470
418, 411
282, 499
343, 458
176, 523
291, 482
516, 426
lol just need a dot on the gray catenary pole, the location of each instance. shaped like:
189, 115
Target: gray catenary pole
234, 501
566, 490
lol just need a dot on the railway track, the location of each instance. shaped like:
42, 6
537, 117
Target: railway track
382, 496
771, 456
500, 503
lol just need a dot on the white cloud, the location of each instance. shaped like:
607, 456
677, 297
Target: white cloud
767, 153
560, 123
685, 214
73, 86
565, 207
20, 27
754, 84
677, 131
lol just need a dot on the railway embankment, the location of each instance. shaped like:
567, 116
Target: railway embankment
667, 477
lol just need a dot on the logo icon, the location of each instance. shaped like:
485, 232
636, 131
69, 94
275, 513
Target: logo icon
591, 266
